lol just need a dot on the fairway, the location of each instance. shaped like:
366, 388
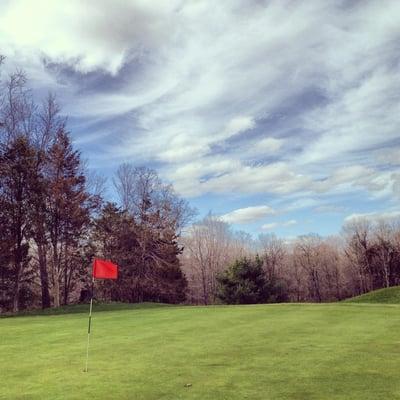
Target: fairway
288, 351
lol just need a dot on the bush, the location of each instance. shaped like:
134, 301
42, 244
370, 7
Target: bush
244, 282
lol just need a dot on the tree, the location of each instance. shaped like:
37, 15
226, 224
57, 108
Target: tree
152, 273
159, 214
49, 124
68, 210
358, 252
316, 267
142, 192
306, 252
6, 256
273, 253
244, 282
17, 111
17, 176
208, 246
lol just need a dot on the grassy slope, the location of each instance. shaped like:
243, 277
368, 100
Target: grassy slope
332, 351
384, 296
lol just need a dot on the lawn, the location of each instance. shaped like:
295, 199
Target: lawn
291, 351
389, 295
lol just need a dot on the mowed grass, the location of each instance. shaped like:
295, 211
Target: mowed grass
289, 351
383, 296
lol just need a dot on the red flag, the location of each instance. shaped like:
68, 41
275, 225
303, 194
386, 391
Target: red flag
103, 269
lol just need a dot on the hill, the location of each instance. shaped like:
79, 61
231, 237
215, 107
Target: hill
286, 351
385, 296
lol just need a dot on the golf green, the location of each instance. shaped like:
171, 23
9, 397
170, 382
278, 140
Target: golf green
287, 351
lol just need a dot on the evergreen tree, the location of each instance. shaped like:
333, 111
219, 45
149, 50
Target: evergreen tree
17, 176
149, 268
68, 211
244, 282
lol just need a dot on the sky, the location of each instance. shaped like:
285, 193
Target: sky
277, 116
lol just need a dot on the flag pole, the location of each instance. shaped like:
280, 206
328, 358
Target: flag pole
89, 326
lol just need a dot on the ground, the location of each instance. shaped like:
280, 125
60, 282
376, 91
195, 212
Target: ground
290, 351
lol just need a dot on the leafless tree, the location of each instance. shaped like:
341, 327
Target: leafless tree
49, 123
18, 110
357, 235
306, 252
142, 192
210, 246
273, 254
96, 184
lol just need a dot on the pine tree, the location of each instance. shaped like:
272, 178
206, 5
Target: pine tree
17, 176
68, 211
244, 282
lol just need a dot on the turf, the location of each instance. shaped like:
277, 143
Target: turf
383, 296
332, 351
84, 309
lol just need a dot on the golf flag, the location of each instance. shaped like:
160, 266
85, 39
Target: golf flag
103, 269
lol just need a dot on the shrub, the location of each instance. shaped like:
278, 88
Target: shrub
244, 282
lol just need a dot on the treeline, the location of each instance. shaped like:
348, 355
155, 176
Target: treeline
54, 218
218, 262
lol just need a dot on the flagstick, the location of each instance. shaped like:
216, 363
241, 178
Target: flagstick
90, 321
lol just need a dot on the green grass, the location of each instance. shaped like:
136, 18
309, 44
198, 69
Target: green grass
384, 296
84, 309
289, 351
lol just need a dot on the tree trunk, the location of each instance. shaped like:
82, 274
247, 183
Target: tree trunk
56, 290
56, 273
44, 277
18, 267
65, 299
204, 286
16, 295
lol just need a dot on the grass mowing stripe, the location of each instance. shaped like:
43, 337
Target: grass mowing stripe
332, 351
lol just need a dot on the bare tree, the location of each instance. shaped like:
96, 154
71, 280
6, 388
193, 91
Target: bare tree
210, 246
17, 111
357, 235
96, 184
273, 254
141, 192
306, 252
125, 185
49, 123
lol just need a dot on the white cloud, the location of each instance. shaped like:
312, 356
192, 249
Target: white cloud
352, 176
274, 225
374, 216
260, 147
389, 156
247, 214
290, 223
271, 225
81, 33
272, 178
239, 124
329, 208
196, 76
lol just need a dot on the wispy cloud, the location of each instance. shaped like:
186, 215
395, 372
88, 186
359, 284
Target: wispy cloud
374, 216
274, 225
247, 214
275, 99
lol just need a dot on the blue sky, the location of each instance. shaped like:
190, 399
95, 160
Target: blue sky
279, 116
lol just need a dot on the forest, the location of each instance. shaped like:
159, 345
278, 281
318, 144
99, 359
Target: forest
56, 216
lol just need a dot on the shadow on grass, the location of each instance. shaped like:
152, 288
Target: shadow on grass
84, 309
